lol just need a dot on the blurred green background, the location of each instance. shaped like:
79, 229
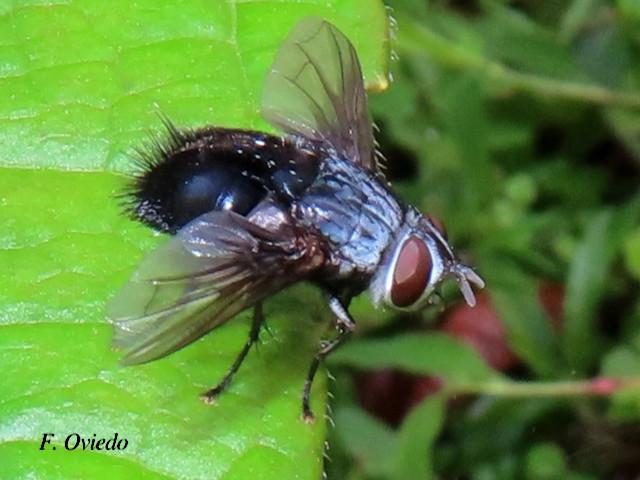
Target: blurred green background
518, 124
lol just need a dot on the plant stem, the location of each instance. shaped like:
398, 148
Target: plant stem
420, 40
552, 88
595, 387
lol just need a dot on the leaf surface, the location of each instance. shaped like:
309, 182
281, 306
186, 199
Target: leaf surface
81, 84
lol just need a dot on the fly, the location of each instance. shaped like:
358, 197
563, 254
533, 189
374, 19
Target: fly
252, 213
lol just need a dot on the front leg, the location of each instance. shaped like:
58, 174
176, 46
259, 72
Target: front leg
345, 325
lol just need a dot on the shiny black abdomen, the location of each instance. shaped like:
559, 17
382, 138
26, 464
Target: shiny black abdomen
195, 172
204, 183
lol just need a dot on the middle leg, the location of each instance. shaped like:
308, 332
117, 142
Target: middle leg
256, 323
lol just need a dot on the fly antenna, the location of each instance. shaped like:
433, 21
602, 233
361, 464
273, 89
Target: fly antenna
464, 275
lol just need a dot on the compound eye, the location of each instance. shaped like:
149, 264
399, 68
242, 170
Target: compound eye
411, 272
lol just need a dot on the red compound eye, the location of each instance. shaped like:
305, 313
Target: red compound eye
411, 272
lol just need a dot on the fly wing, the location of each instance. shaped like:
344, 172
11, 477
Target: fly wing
315, 89
215, 267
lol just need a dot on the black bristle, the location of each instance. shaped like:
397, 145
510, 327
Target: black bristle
154, 152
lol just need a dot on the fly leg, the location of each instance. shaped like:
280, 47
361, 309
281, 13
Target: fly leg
258, 319
345, 325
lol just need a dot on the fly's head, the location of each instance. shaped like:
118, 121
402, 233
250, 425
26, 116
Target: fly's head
415, 265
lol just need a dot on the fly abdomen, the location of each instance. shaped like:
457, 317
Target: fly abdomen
193, 172
214, 186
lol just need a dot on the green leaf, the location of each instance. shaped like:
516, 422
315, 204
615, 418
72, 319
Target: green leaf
632, 252
460, 102
413, 457
545, 461
630, 9
81, 83
585, 287
605, 55
367, 439
516, 40
429, 354
529, 331
84, 98
626, 124
577, 15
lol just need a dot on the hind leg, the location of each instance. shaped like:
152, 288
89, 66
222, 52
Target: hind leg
258, 319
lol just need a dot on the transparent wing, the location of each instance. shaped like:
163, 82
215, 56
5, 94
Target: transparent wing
215, 267
315, 89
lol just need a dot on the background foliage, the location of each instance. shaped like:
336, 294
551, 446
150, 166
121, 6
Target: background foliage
518, 123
